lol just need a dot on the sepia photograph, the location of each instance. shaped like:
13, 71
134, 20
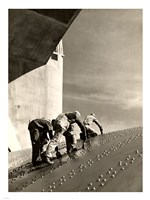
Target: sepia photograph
75, 100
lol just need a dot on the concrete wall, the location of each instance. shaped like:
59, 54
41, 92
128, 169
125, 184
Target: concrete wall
36, 94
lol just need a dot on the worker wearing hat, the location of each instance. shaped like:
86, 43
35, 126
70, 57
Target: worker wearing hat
88, 121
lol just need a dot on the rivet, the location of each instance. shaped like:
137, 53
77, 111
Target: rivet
111, 168
98, 179
94, 188
112, 175
102, 184
64, 180
104, 179
101, 176
88, 188
51, 190
61, 183
90, 183
43, 190
122, 168
132, 161
114, 172
120, 163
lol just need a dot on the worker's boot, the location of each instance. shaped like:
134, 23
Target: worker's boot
37, 163
46, 159
58, 154
73, 148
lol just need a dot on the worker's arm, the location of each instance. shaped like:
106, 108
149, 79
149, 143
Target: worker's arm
50, 134
99, 125
82, 127
49, 128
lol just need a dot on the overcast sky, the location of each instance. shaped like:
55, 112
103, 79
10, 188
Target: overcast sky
103, 67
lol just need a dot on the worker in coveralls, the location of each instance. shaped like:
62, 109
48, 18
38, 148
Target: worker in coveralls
61, 125
41, 132
70, 139
88, 121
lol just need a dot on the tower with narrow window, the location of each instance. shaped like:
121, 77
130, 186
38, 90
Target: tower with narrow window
36, 94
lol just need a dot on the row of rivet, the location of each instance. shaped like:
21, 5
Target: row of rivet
33, 179
101, 176
90, 162
102, 156
112, 172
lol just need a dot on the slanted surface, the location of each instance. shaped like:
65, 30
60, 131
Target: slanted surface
109, 163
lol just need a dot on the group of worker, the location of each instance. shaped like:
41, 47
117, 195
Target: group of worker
46, 135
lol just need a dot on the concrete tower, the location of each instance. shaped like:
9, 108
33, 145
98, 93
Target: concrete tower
36, 94
35, 68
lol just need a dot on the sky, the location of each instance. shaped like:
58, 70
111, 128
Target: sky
103, 67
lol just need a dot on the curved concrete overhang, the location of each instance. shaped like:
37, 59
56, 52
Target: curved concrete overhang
33, 36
